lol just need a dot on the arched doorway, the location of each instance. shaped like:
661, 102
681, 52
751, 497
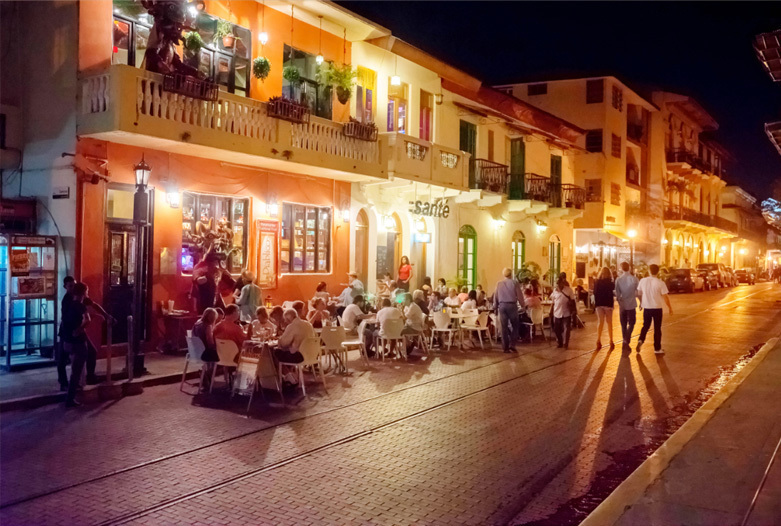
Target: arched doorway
467, 255
554, 258
362, 245
519, 251
389, 248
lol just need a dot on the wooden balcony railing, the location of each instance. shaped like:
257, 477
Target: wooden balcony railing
490, 176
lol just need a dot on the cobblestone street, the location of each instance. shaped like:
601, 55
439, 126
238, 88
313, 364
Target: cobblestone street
467, 437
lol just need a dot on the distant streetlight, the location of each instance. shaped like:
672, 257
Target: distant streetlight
632, 235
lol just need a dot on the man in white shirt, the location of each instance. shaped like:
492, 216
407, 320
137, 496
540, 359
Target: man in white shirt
416, 320
653, 294
296, 331
353, 314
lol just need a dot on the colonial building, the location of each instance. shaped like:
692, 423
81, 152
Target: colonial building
748, 249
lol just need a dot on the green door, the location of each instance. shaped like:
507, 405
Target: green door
467, 255
517, 168
554, 259
519, 251
555, 179
468, 143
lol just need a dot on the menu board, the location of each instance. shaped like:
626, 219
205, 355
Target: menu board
266, 239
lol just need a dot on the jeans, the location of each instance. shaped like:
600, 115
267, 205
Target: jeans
656, 316
63, 359
627, 318
510, 322
78, 352
562, 328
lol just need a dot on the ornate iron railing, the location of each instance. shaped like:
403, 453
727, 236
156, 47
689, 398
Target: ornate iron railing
490, 176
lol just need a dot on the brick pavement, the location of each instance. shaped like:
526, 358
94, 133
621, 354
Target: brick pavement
512, 429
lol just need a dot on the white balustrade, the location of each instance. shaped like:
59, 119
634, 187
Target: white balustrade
95, 94
320, 135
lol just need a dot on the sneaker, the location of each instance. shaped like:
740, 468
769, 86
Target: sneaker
639, 344
658, 351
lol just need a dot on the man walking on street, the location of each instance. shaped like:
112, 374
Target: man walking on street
653, 293
626, 295
507, 296
74, 324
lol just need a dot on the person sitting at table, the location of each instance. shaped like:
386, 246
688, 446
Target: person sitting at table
277, 316
353, 314
220, 314
419, 297
533, 301
387, 312
249, 298
481, 296
414, 319
395, 290
464, 294
471, 301
229, 329
319, 315
442, 287
435, 302
204, 331
296, 331
262, 326
322, 292
452, 299
427, 288
301, 308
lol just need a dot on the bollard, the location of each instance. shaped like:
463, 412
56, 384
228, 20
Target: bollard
130, 345
110, 347
108, 390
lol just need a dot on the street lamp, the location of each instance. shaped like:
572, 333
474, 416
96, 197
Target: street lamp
632, 235
141, 221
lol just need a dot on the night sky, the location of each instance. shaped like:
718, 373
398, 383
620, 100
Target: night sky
701, 49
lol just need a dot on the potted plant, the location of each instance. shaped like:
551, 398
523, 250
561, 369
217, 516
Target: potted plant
261, 67
292, 75
340, 77
287, 109
224, 31
192, 44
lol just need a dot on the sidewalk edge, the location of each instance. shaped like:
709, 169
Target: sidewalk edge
633, 488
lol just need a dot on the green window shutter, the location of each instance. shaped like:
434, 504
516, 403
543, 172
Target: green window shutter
517, 168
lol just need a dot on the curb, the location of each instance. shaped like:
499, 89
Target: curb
633, 488
91, 393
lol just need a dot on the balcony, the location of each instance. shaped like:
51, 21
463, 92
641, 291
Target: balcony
573, 196
533, 193
129, 105
490, 176
537, 188
684, 158
688, 218
418, 160
635, 132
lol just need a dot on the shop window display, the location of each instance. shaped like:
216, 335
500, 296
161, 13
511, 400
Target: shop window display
305, 245
214, 223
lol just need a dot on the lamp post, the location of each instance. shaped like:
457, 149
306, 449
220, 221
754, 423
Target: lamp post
632, 235
141, 221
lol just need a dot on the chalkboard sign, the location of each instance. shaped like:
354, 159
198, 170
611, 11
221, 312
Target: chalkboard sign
382, 262
580, 269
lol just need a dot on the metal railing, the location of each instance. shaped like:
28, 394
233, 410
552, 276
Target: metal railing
537, 187
690, 158
490, 176
677, 212
573, 196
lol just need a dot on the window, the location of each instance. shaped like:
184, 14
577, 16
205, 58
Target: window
594, 141
214, 220
130, 29
317, 97
615, 194
537, 89
426, 113
618, 98
594, 190
305, 245
519, 251
397, 107
365, 90
467, 255
554, 258
615, 146
595, 91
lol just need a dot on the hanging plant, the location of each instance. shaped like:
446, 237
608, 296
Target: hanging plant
340, 77
292, 75
261, 67
224, 31
193, 42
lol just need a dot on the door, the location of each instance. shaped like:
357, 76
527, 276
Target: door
426, 110
554, 254
468, 143
120, 274
467, 255
362, 246
517, 168
555, 179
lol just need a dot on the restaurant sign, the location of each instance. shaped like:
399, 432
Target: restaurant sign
438, 208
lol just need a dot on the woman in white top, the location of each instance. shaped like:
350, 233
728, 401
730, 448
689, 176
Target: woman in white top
471, 302
452, 299
562, 312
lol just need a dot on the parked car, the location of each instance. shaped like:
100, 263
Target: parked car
720, 271
745, 275
732, 277
684, 280
710, 279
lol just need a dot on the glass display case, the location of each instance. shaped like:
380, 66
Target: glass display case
28, 299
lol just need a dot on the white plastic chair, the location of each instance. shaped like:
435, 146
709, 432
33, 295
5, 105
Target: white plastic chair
310, 350
195, 350
332, 344
227, 352
391, 332
442, 325
478, 324
357, 343
538, 318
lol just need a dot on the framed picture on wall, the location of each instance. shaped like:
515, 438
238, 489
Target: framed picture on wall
266, 241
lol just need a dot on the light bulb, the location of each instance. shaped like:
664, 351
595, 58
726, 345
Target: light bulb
319, 59
263, 37
193, 11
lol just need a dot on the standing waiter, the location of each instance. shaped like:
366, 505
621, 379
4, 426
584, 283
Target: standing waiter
507, 297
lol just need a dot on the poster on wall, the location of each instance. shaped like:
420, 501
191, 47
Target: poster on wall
31, 287
20, 262
266, 236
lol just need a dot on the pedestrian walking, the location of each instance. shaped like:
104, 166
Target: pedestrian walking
563, 298
74, 324
603, 301
653, 294
626, 295
507, 297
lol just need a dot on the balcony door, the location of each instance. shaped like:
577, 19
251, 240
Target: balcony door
468, 143
517, 168
554, 258
555, 180
426, 113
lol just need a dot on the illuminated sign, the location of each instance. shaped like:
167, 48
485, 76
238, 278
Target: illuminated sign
438, 208
422, 237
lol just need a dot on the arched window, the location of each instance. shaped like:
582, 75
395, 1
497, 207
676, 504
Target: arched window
467, 255
519, 251
554, 258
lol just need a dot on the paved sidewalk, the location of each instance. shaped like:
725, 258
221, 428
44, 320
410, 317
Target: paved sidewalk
717, 473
